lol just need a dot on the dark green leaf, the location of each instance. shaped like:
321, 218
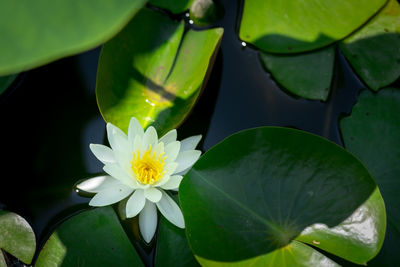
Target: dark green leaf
6, 81
38, 32
91, 238
296, 26
155, 76
259, 189
372, 133
172, 246
16, 237
306, 75
374, 50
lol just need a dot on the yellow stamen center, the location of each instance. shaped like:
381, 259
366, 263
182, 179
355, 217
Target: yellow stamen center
148, 168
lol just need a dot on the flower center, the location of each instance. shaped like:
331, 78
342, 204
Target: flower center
148, 168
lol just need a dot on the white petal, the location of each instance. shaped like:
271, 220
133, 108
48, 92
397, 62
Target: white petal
97, 184
117, 138
148, 221
171, 210
172, 183
138, 145
169, 137
110, 195
158, 149
152, 194
150, 137
116, 171
171, 151
135, 203
103, 153
190, 143
170, 168
186, 159
162, 181
134, 129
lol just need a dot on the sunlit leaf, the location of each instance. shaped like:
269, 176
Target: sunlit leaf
154, 75
297, 26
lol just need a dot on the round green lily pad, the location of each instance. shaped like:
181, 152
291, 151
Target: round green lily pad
257, 191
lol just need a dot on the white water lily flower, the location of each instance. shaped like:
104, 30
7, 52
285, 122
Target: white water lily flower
144, 165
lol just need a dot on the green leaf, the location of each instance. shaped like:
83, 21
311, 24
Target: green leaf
294, 254
172, 245
38, 32
259, 189
307, 75
91, 238
16, 237
154, 75
6, 81
296, 26
372, 133
2, 260
373, 51
175, 6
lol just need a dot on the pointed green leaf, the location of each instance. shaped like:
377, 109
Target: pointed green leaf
307, 75
16, 237
154, 75
260, 189
372, 133
374, 50
91, 238
295, 26
175, 6
37, 32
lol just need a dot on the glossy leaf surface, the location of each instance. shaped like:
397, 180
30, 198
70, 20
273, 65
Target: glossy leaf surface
259, 189
307, 75
172, 246
16, 237
175, 6
372, 133
91, 238
296, 26
38, 32
155, 76
374, 50
6, 81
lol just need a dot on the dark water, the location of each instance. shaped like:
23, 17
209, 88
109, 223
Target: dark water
50, 116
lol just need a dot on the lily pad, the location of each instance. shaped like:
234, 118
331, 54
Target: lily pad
372, 133
374, 50
297, 26
154, 75
91, 238
6, 81
259, 190
172, 245
307, 75
16, 237
175, 6
38, 32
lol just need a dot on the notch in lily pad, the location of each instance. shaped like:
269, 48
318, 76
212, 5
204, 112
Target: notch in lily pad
153, 70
